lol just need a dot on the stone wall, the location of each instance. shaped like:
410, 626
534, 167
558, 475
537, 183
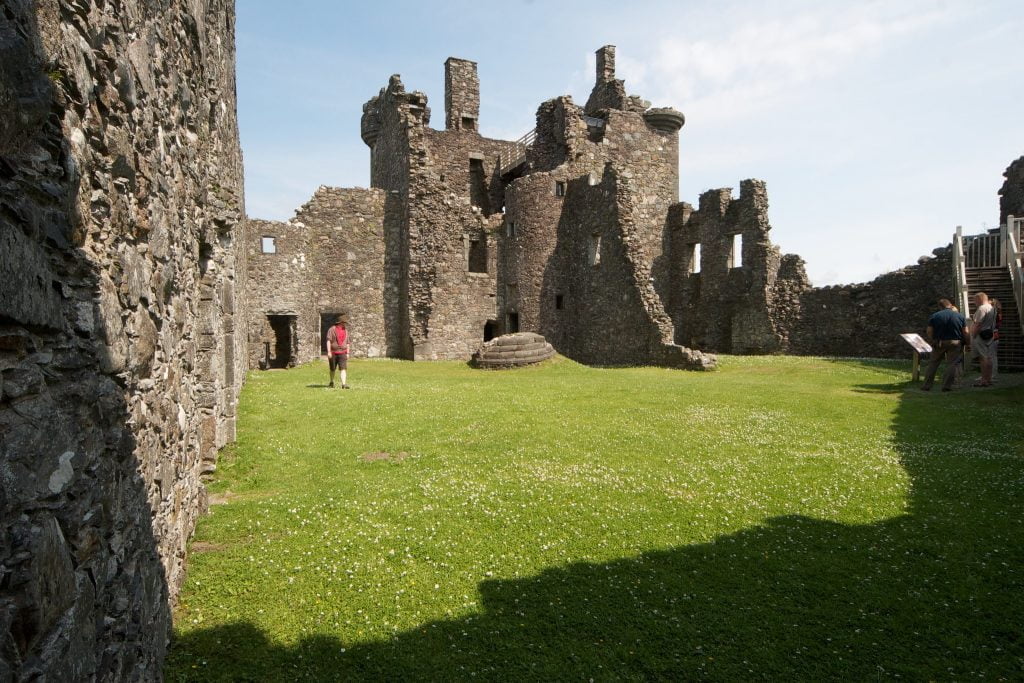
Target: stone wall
329, 259
1011, 195
584, 232
866, 319
739, 300
442, 194
120, 193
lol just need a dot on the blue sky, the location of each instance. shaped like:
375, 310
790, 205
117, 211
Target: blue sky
878, 126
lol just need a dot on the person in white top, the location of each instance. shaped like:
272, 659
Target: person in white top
983, 325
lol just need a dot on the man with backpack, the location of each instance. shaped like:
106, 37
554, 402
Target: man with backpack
983, 327
337, 349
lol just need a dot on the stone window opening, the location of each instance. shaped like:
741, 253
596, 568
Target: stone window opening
694, 265
595, 249
592, 179
510, 229
476, 259
478, 185
559, 188
736, 252
268, 244
468, 123
559, 302
511, 322
489, 327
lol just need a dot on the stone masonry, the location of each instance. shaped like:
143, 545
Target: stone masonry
1011, 195
576, 233
120, 361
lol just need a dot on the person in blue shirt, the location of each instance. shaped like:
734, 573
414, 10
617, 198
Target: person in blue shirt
947, 330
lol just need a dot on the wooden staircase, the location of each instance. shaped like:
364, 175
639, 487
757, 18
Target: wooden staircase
996, 282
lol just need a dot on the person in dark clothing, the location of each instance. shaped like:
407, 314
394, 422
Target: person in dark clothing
947, 329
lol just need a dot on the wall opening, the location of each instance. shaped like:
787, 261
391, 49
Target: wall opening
511, 322
559, 302
283, 352
477, 257
559, 188
478, 185
736, 252
694, 266
489, 327
268, 245
468, 123
510, 229
595, 249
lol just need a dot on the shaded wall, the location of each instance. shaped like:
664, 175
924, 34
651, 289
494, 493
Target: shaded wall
866, 319
120, 197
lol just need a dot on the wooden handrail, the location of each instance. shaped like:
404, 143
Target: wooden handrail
960, 271
1012, 246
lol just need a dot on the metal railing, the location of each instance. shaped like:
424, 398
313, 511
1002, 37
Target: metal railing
1012, 248
515, 154
960, 271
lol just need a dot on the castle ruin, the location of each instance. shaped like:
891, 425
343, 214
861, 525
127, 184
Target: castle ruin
575, 231
134, 294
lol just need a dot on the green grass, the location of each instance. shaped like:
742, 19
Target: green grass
782, 518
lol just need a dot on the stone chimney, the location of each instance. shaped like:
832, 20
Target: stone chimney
461, 95
606, 64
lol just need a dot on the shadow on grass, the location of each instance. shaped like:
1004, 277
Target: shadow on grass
934, 593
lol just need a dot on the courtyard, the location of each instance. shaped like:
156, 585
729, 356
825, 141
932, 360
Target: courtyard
783, 518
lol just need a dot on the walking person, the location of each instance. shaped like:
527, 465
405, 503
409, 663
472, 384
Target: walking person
337, 349
983, 325
947, 330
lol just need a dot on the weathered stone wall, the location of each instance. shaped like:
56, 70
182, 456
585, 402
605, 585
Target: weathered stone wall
329, 259
589, 217
1011, 195
280, 284
120, 193
442, 191
866, 319
734, 302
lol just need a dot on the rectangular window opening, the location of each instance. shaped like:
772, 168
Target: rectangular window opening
559, 188
477, 260
510, 229
559, 302
736, 254
694, 266
468, 123
268, 245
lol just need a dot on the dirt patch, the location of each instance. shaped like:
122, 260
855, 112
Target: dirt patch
206, 547
384, 455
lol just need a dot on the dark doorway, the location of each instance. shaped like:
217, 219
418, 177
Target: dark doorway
489, 330
513, 322
285, 351
478, 186
326, 321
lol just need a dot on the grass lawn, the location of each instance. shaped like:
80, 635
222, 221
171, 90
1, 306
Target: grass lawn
782, 518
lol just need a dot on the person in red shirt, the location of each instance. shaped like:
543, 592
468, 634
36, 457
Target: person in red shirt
337, 349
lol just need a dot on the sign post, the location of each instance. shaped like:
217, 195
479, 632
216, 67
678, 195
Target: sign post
920, 346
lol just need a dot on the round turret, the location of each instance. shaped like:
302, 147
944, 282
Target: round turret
369, 127
665, 119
